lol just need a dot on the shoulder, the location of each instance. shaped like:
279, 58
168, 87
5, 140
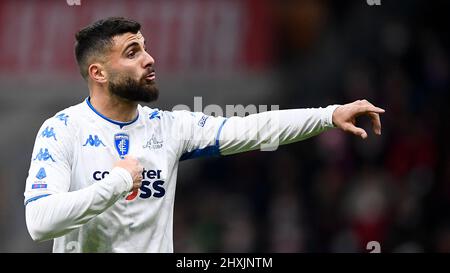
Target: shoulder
174, 114
155, 114
177, 116
64, 122
57, 134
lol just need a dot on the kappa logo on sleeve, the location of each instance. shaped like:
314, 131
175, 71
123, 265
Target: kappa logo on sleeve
44, 155
155, 114
63, 117
48, 132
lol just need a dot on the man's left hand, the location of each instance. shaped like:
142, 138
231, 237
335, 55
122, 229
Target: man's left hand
344, 117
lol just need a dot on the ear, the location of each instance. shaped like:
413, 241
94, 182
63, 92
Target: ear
97, 73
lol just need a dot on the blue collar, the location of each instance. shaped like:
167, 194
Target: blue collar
121, 124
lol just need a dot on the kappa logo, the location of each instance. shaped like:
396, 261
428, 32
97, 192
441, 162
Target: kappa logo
122, 143
155, 114
43, 155
153, 143
94, 141
63, 117
48, 133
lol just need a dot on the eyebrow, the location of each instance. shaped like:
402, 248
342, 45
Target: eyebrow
131, 45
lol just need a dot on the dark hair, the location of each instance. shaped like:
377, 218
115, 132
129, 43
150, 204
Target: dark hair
96, 38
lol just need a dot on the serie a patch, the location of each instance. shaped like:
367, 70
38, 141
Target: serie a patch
39, 186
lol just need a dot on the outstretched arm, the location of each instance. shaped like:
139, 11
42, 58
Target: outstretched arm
267, 130
204, 135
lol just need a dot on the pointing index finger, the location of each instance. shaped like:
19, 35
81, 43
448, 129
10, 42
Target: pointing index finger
376, 123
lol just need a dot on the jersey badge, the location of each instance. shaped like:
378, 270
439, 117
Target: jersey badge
122, 143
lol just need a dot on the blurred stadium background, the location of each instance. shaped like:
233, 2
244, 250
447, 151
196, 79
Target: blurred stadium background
331, 193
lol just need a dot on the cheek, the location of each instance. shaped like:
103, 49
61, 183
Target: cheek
132, 70
126, 70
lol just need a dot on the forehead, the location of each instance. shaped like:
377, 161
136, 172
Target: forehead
122, 40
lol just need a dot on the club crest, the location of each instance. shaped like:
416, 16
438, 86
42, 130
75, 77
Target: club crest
122, 143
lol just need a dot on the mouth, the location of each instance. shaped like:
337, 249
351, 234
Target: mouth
150, 76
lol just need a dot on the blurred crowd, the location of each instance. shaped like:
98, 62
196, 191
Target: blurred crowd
332, 193
336, 192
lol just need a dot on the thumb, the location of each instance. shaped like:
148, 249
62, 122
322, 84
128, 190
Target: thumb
356, 131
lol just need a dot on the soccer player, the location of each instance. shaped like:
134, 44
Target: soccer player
103, 172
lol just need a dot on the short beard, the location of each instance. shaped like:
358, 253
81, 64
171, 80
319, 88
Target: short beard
132, 90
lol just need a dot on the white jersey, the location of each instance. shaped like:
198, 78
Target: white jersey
74, 196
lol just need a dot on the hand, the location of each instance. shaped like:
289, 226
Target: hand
135, 168
344, 117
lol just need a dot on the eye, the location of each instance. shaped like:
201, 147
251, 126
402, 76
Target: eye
131, 54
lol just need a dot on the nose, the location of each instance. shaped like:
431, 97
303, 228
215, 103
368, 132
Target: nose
148, 59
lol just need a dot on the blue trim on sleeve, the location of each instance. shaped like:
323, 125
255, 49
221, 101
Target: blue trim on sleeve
121, 124
218, 133
205, 152
35, 198
209, 151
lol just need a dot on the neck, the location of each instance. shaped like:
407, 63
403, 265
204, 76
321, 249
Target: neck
113, 107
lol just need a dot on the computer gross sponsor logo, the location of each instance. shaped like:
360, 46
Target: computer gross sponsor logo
152, 184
